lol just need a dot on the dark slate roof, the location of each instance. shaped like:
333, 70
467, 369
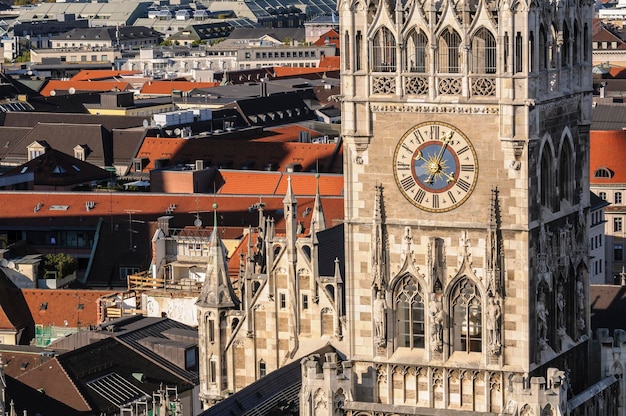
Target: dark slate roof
608, 117
14, 312
264, 111
27, 400
608, 307
331, 247
596, 202
280, 388
131, 331
297, 34
108, 122
56, 168
126, 33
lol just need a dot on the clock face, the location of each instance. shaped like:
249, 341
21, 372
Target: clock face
435, 166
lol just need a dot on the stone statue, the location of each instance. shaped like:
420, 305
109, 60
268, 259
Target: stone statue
436, 323
542, 318
380, 317
560, 304
494, 315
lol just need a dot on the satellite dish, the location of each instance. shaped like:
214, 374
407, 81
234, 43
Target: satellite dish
177, 131
145, 123
72, 90
53, 93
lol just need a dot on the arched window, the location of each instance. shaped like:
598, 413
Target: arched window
576, 44
417, 52
565, 46
543, 50
384, 51
466, 315
483, 52
409, 313
449, 57
566, 185
547, 184
552, 58
603, 173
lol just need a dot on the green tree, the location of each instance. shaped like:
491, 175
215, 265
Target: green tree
25, 57
62, 263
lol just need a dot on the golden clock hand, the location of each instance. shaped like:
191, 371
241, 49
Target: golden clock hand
435, 167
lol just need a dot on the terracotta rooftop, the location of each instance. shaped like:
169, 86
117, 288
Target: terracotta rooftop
61, 85
78, 307
238, 182
100, 74
607, 150
166, 87
231, 153
331, 37
68, 208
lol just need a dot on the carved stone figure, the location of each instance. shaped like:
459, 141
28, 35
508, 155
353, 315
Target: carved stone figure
542, 318
380, 318
436, 323
494, 315
560, 304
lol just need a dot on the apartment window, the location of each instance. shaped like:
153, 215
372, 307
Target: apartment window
602, 195
262, 369
618, 197
94, 58
72, 58
618, 252
283, 301
617, 224
305, 302
83, 58
126, 271
103, 57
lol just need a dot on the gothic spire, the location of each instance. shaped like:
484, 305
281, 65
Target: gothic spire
217, 290
318, 211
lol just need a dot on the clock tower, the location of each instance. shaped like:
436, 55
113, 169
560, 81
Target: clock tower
466, 141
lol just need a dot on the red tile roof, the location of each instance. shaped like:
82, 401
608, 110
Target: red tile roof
69, 207
64, 305
60, 85
288, 133
247, 182
308, 155
166, 87
331, 36
330, 63
607, 150
100, 74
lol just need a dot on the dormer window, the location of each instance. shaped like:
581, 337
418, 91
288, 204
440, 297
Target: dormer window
603, 173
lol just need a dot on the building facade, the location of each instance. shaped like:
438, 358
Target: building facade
466, 142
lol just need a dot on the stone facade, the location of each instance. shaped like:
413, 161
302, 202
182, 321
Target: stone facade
467, 273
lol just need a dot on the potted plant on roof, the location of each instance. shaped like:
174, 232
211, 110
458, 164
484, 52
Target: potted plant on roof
58, 270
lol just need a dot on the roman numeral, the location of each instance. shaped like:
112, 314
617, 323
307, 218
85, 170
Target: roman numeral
407, 183
463, 150
434, 132
419, 196
451, 196
467, 168
407, 148
418, 136
435, 201
463, 185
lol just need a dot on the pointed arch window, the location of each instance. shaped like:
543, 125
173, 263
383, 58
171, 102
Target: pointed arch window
547, 183
565, 46
576, 44
483, 52
566, 185
409, 313
466, 314
449, 54
417, 52
384, 51
543, 50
